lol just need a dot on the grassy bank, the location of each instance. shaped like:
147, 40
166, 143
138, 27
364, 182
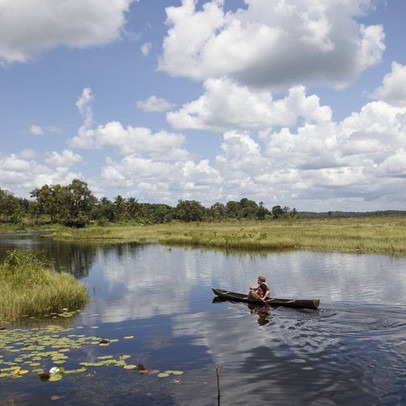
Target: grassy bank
28, 288
381, 234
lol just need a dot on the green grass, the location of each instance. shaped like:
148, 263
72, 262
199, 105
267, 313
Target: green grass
380, 234
28, 288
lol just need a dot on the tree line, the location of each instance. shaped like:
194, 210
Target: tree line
75, 205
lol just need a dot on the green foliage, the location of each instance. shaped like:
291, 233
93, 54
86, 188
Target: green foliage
70, 205
9, 207
189, 210
75, 206
29, 287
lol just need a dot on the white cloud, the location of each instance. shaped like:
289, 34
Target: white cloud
55, 130
146, 48
36, 130
154, 103
21, 173
27, 30
129, 140
226, 105
393, 89
314, 164
67, 159
272, 42
84, 139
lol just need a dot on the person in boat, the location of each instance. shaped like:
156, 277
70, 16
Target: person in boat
261, 292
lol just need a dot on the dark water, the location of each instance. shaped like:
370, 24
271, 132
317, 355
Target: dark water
351, 351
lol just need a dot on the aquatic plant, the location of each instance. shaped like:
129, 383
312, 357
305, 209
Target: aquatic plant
43, 352
31, 288
378, 234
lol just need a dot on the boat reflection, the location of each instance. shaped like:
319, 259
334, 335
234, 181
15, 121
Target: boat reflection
262, 311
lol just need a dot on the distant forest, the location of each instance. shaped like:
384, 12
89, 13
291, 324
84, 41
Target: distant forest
75, 205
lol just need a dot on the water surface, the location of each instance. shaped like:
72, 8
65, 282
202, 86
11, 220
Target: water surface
351, 351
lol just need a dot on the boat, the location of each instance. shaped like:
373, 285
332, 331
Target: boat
240, 297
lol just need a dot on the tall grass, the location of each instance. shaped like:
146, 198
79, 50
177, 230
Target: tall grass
29, 288
380, 234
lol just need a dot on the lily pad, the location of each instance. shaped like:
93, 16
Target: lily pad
130, 366
55, 377
75, 371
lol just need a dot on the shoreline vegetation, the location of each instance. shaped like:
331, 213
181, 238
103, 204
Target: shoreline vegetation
368, 235
29, 288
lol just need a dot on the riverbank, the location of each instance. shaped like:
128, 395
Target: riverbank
378, 235
30, 289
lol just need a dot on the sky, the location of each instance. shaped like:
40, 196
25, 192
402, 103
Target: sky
298, 103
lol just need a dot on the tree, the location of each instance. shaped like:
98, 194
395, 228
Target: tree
233, 209
121, 207
189, 210
51, 200
277, 212
79, 201
248, 209
9, 205
133, 208
262, 211
217, 211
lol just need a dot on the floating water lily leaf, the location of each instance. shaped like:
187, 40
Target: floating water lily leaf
105, 357
55, 397
75, 371
170, 371
122, 357
128, 337
163, 375
55, 377
130, 366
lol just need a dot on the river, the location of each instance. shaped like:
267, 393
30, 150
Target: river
158, 304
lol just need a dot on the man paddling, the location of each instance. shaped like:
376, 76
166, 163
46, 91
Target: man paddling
261, 292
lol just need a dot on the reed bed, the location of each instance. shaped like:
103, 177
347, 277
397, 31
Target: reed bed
380, 234
28, 288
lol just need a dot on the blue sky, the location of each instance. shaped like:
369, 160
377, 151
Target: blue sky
292, 102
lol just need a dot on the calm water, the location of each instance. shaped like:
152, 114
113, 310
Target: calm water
351, 351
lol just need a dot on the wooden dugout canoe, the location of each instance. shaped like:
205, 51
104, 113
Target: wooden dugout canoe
240, 297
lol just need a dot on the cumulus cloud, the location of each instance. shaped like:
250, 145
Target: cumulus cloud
226, 105
155, 104
157, 180
36, 130
272, 42
393, 89
21, 173
146, 48
67, 159
129, 140
27, 30
315, 163
320, 165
